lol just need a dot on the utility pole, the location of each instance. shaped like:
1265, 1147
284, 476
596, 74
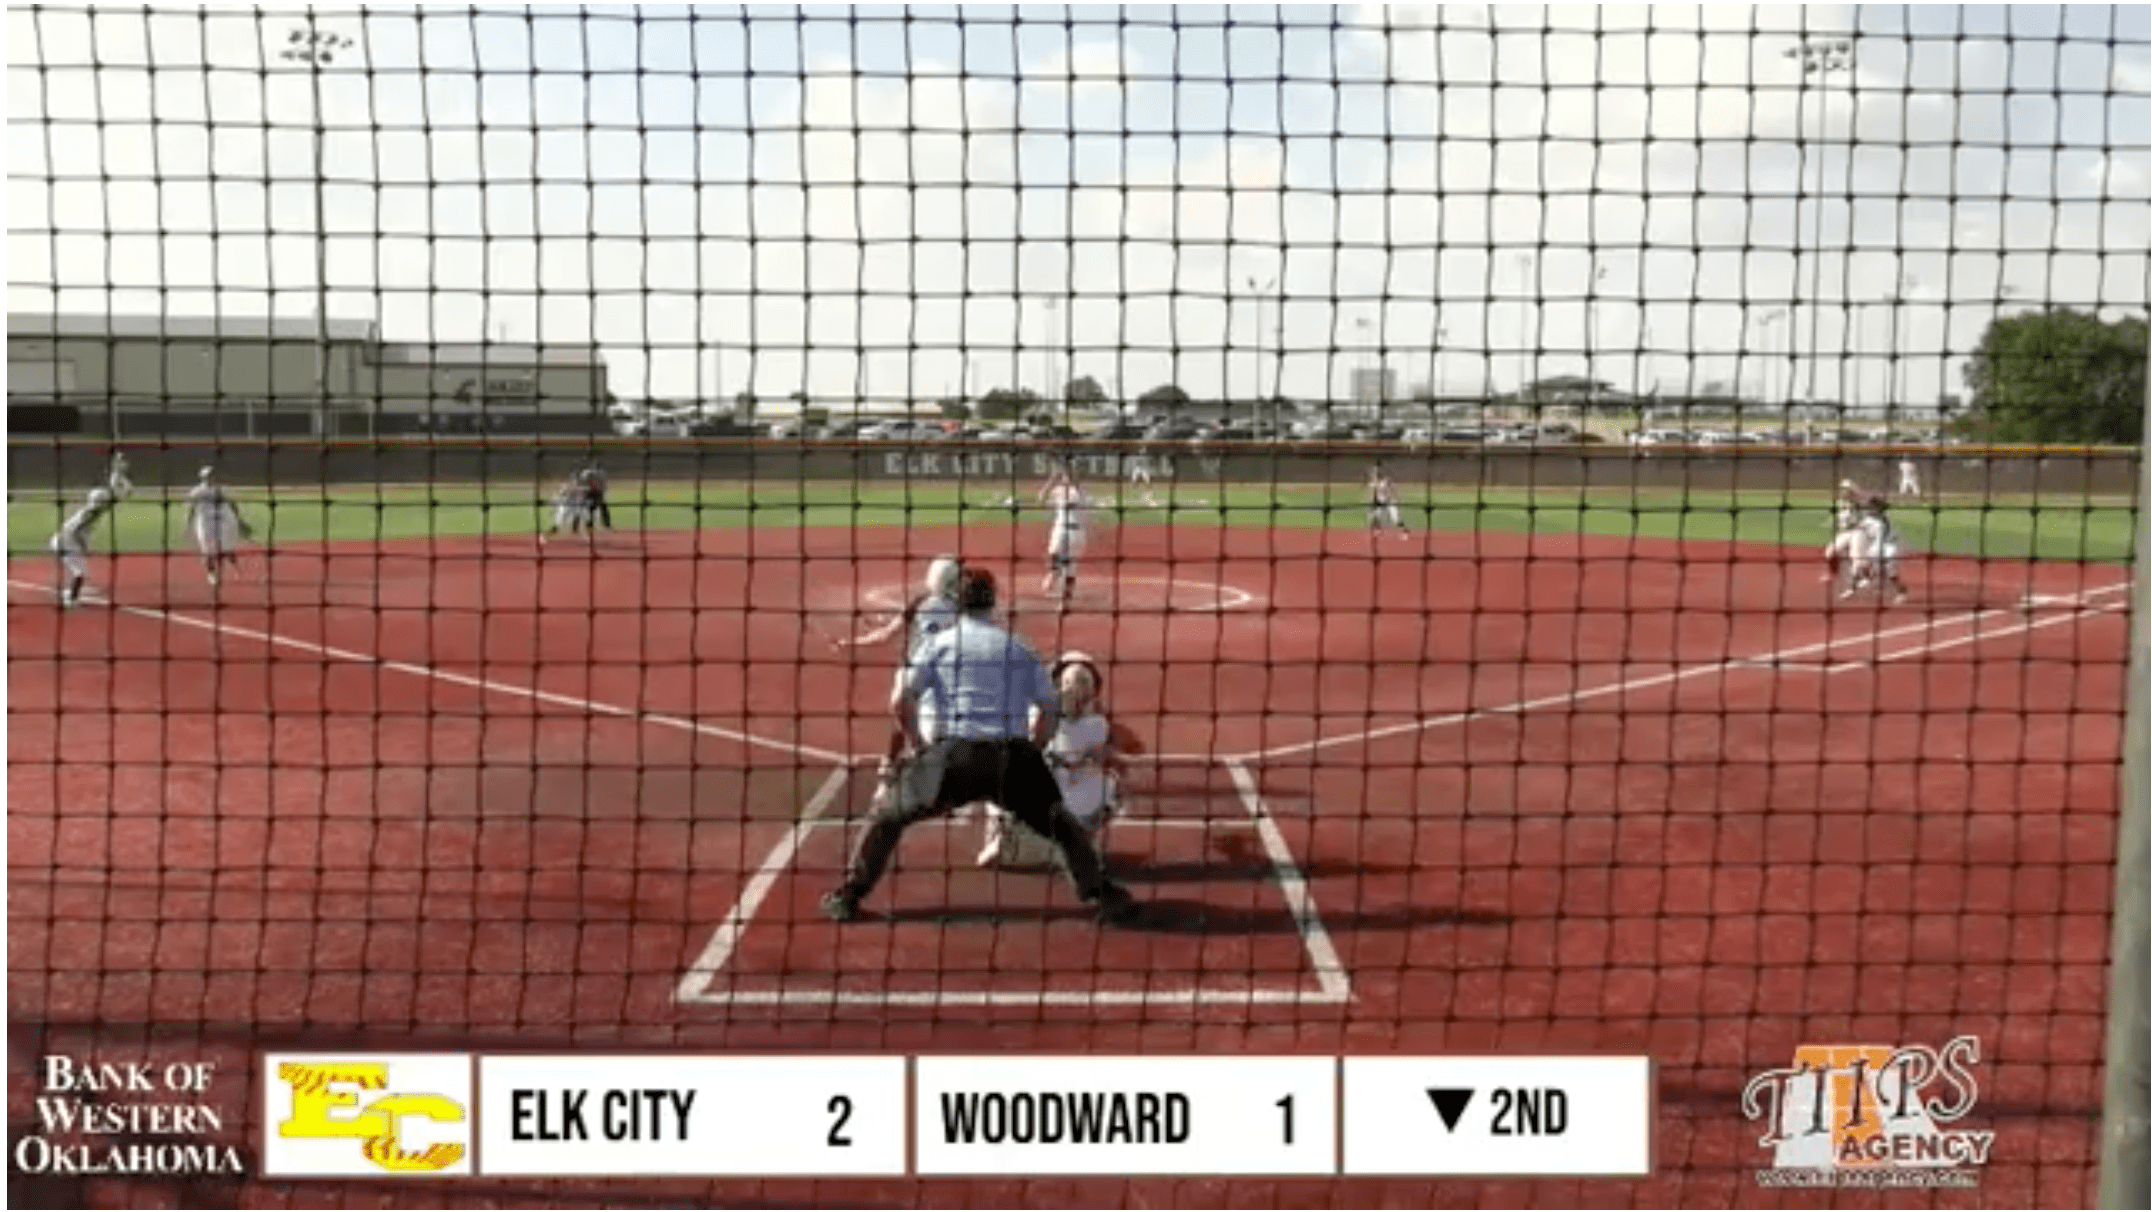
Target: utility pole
1260, 290
1820, 59
316, 50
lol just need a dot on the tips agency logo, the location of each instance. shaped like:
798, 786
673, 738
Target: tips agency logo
1846, 1115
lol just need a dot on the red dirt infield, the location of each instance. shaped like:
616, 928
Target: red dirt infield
1464, 793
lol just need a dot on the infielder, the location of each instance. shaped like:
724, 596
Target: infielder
1908, 478
1382, 511
72, 545
214, 521
571, 510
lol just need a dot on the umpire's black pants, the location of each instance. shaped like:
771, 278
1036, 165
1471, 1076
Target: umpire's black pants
1009, 772
600, 511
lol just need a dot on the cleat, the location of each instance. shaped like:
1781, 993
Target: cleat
840, 906
1115, 906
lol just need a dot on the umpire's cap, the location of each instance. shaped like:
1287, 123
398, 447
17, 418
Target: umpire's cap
978, 592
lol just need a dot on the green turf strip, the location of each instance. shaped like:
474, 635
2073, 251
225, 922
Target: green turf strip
2062, 528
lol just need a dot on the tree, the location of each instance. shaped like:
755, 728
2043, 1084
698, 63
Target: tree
1006, 404
954, 409
1164, 400
1084, 392
2060, 376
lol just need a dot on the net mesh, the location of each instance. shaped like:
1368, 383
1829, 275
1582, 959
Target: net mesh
1464, 400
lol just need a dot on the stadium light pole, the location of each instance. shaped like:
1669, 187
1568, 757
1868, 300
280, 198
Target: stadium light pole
1820, 59
316, 49
1261, 290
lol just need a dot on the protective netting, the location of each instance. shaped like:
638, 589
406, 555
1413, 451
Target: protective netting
1602, 532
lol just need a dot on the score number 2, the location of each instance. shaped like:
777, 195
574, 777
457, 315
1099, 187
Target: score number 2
841, 1107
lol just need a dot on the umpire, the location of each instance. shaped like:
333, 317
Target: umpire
594, 483
982, 682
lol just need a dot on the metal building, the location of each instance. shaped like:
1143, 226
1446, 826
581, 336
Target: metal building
231, 376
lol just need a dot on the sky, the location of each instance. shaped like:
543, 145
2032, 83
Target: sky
904, 204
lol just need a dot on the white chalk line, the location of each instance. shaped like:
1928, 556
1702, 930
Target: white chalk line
1200, 995
697, 986
726, 938
487, 685
1322, 953
1776, 658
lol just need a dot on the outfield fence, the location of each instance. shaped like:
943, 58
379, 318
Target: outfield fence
1970, 471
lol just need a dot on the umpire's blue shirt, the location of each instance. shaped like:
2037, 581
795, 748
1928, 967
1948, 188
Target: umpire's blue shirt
977, 681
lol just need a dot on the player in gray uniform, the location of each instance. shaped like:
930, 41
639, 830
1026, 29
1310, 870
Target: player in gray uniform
922, 618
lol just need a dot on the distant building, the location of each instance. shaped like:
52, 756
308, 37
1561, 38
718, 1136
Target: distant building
239, 376
1373, 385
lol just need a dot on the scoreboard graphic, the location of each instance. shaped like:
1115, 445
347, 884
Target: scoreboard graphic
558, 1116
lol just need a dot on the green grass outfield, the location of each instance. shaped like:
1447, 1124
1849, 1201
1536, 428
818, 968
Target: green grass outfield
2061, 528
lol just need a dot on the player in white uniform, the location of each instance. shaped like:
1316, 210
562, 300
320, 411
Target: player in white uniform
922, 618
571, 510
1846, 550
1065, 538
1084, 760
1908, 478
116, 478
1878, 562
214, 521
1139, 472
72, 544
1382, 511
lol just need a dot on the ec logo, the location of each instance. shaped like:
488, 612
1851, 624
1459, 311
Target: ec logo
394, 1115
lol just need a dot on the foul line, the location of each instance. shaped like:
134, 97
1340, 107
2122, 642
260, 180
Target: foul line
1204, 995
1751, 660
718, 951
488, 685
1322, 954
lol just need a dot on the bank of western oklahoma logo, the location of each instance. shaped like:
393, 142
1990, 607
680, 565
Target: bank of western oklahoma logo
1871, 1115
386, 1116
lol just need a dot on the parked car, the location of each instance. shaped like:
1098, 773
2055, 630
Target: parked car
1659, 437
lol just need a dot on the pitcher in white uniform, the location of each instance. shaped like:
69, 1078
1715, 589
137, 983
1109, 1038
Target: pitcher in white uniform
72, 544
1065, 539
1084, 760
